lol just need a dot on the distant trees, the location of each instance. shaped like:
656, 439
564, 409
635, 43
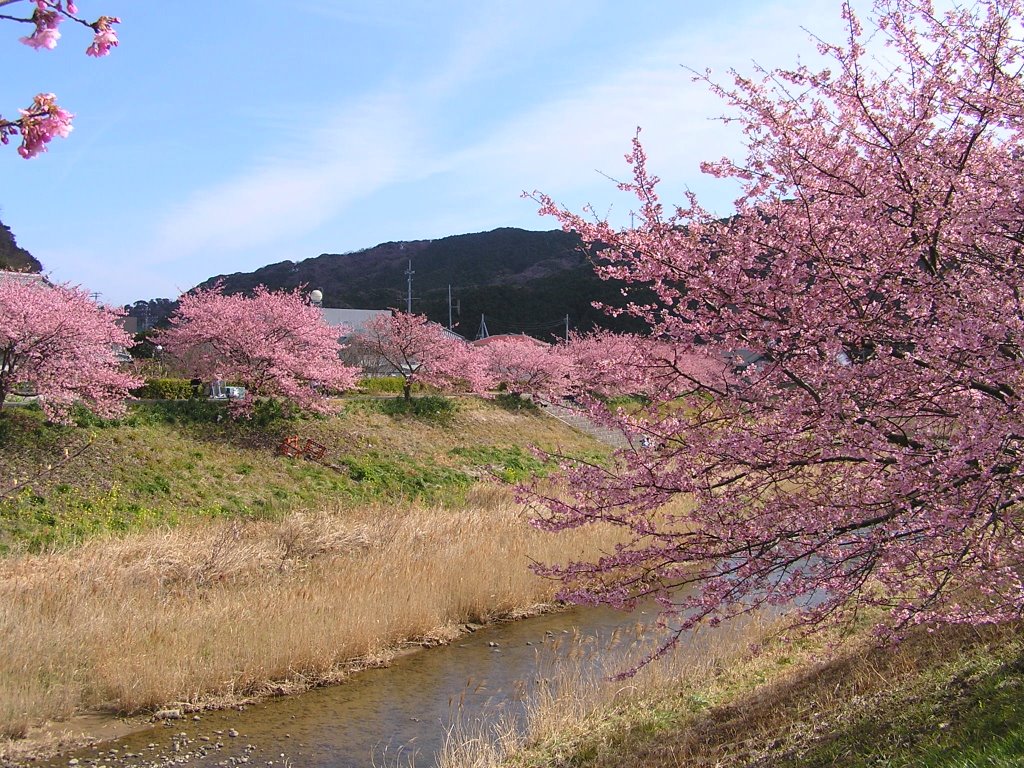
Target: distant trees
43, 119
276, 343
421, 351
607, 364
61, 344
875, 454
152, 312
527, 366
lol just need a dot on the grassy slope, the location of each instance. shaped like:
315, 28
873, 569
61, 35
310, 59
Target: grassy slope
943, 700
167, 462
947, 699
280, 573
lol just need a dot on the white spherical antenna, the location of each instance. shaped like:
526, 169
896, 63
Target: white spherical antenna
316, 296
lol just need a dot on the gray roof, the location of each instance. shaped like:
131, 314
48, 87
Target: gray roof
23, 277
355, 319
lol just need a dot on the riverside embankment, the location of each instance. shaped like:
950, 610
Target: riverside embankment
149, 576
394, 715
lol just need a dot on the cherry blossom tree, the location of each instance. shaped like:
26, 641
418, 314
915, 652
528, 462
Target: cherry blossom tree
607, 364
421, 351
55, 340
527, 366
43, 119
276, 343
872, 457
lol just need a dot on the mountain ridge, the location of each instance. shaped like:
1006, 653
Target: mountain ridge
14, 258
517, 280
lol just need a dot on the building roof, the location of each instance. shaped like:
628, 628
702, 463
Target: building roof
23, 277
520, 338
354, 319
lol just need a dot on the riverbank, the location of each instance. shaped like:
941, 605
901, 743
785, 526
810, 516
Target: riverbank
181, 563
214, 615
950, 698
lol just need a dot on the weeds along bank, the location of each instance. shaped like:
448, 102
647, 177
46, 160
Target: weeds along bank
949, 699
226, 606
740, 696
227, 609
169, 462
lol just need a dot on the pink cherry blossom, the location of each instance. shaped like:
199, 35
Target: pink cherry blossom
41, 122
45, 37
276, 343
867, 450
105, 38
527, 366
61, 344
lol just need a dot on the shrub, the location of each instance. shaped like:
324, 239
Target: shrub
511, 401
178, 412
431, 407
164, 389
381, 385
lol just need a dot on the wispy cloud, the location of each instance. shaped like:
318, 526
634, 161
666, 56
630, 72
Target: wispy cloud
324, 163
318, 169
563, 145
332, 160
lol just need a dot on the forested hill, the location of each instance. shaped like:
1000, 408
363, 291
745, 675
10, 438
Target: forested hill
520, 281
14, 258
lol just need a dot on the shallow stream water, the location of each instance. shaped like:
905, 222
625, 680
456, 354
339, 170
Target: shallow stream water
391, 716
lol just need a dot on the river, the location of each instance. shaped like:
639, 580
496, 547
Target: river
390, 716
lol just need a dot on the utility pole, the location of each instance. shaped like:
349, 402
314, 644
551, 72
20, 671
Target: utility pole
408, 296
566, 327
449, 306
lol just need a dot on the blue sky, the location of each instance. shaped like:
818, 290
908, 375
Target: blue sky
223, 136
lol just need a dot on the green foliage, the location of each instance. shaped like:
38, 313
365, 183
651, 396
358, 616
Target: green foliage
164, 389
170, 461
627, 402
177, 412
68, 515
966, 713
402, 477
382, 385
508, 463
515, 403
270, 412
429, 407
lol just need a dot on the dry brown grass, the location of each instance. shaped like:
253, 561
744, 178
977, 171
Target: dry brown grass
580, 713
226, 609
741, 697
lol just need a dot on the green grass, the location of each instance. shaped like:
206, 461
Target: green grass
66, 517
167, 462
952, 699
967, 712
378, 476
513, 402
428, 407
510, 464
